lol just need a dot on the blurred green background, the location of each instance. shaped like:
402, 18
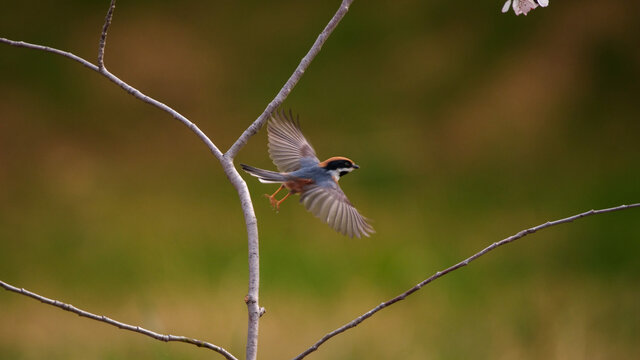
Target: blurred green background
468, 124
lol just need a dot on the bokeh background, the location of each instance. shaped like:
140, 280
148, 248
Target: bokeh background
468, 124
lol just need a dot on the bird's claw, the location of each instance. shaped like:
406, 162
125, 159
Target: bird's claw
274, 203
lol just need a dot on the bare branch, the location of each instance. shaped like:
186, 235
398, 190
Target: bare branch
128, 88
253, 307
51, 50
103, 36
251, 223
118, 324
291, 83
226, 160
463, 263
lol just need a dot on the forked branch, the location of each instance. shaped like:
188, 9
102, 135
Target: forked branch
255, 311
444, 272
226, 160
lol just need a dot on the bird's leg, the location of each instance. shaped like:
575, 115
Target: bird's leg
283, 199
272, 198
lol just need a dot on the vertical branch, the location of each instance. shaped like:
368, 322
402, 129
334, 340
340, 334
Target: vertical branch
103, 35
251, 223
253, 308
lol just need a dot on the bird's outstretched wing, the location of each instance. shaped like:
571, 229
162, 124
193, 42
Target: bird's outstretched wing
288, 148
331, 205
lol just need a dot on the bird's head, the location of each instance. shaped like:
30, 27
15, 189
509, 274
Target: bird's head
338, 166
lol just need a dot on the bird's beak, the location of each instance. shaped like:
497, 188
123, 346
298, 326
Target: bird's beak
356, 166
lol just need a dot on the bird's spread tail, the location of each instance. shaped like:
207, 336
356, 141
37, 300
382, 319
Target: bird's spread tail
265, 176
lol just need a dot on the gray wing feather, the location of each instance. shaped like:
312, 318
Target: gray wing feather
288, 147
333, 211
331, 205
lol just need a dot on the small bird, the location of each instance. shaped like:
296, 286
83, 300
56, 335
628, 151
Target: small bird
301, 172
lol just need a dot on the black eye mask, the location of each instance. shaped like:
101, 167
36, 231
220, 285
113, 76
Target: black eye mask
338, 164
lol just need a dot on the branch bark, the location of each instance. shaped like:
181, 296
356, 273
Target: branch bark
118, 324
103, 36
355, 322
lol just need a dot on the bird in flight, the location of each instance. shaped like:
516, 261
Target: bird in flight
301, 172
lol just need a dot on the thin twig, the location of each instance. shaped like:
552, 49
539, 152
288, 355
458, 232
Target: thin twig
50, 50
103, 35
118, 324
463, 263
293, 80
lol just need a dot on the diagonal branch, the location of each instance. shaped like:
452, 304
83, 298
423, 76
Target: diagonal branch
293, 80
103, 36
118, 324
128, 88
463, 263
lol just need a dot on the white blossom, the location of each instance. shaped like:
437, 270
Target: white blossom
523, 6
